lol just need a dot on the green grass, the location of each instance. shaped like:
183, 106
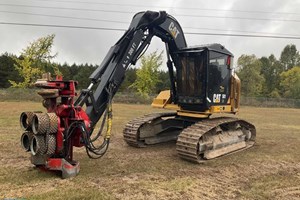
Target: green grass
280, 185
75, 194
269, 170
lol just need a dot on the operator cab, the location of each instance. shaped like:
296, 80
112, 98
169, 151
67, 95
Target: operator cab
203, 76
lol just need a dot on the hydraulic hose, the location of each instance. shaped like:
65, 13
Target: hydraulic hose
92, 150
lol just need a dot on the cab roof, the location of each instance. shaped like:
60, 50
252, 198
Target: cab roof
211, 47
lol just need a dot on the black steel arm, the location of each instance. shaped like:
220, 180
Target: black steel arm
110, 74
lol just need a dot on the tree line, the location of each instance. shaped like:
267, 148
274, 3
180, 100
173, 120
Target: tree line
78, 72
265, 76
269, 76
23, 70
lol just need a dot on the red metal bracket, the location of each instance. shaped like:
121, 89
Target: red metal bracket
68, 170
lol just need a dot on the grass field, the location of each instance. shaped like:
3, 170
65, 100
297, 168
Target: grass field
269, 170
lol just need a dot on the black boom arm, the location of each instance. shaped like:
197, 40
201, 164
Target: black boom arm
110, 74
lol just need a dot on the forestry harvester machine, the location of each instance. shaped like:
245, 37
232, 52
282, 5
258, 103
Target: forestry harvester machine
202, 82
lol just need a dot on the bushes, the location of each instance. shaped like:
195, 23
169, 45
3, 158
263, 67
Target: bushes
16, 94
270, 102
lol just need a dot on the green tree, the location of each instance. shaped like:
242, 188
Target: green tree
84, 72
7, 70
130, 77
148, 74
290, 83
164, 81
34, 61
249, 68
271, 69
65, 70
289, 56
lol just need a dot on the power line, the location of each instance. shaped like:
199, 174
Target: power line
129, 12
171, 7
239, 18
245, 35
62, 26
117, 29
240, 31
65, 8
123, 22
66, 17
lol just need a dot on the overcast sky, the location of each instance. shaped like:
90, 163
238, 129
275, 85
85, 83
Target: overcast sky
272, 17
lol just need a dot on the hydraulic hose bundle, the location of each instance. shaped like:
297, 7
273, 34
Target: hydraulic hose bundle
89, 145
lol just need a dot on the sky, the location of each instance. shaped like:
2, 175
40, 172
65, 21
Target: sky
271, 18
